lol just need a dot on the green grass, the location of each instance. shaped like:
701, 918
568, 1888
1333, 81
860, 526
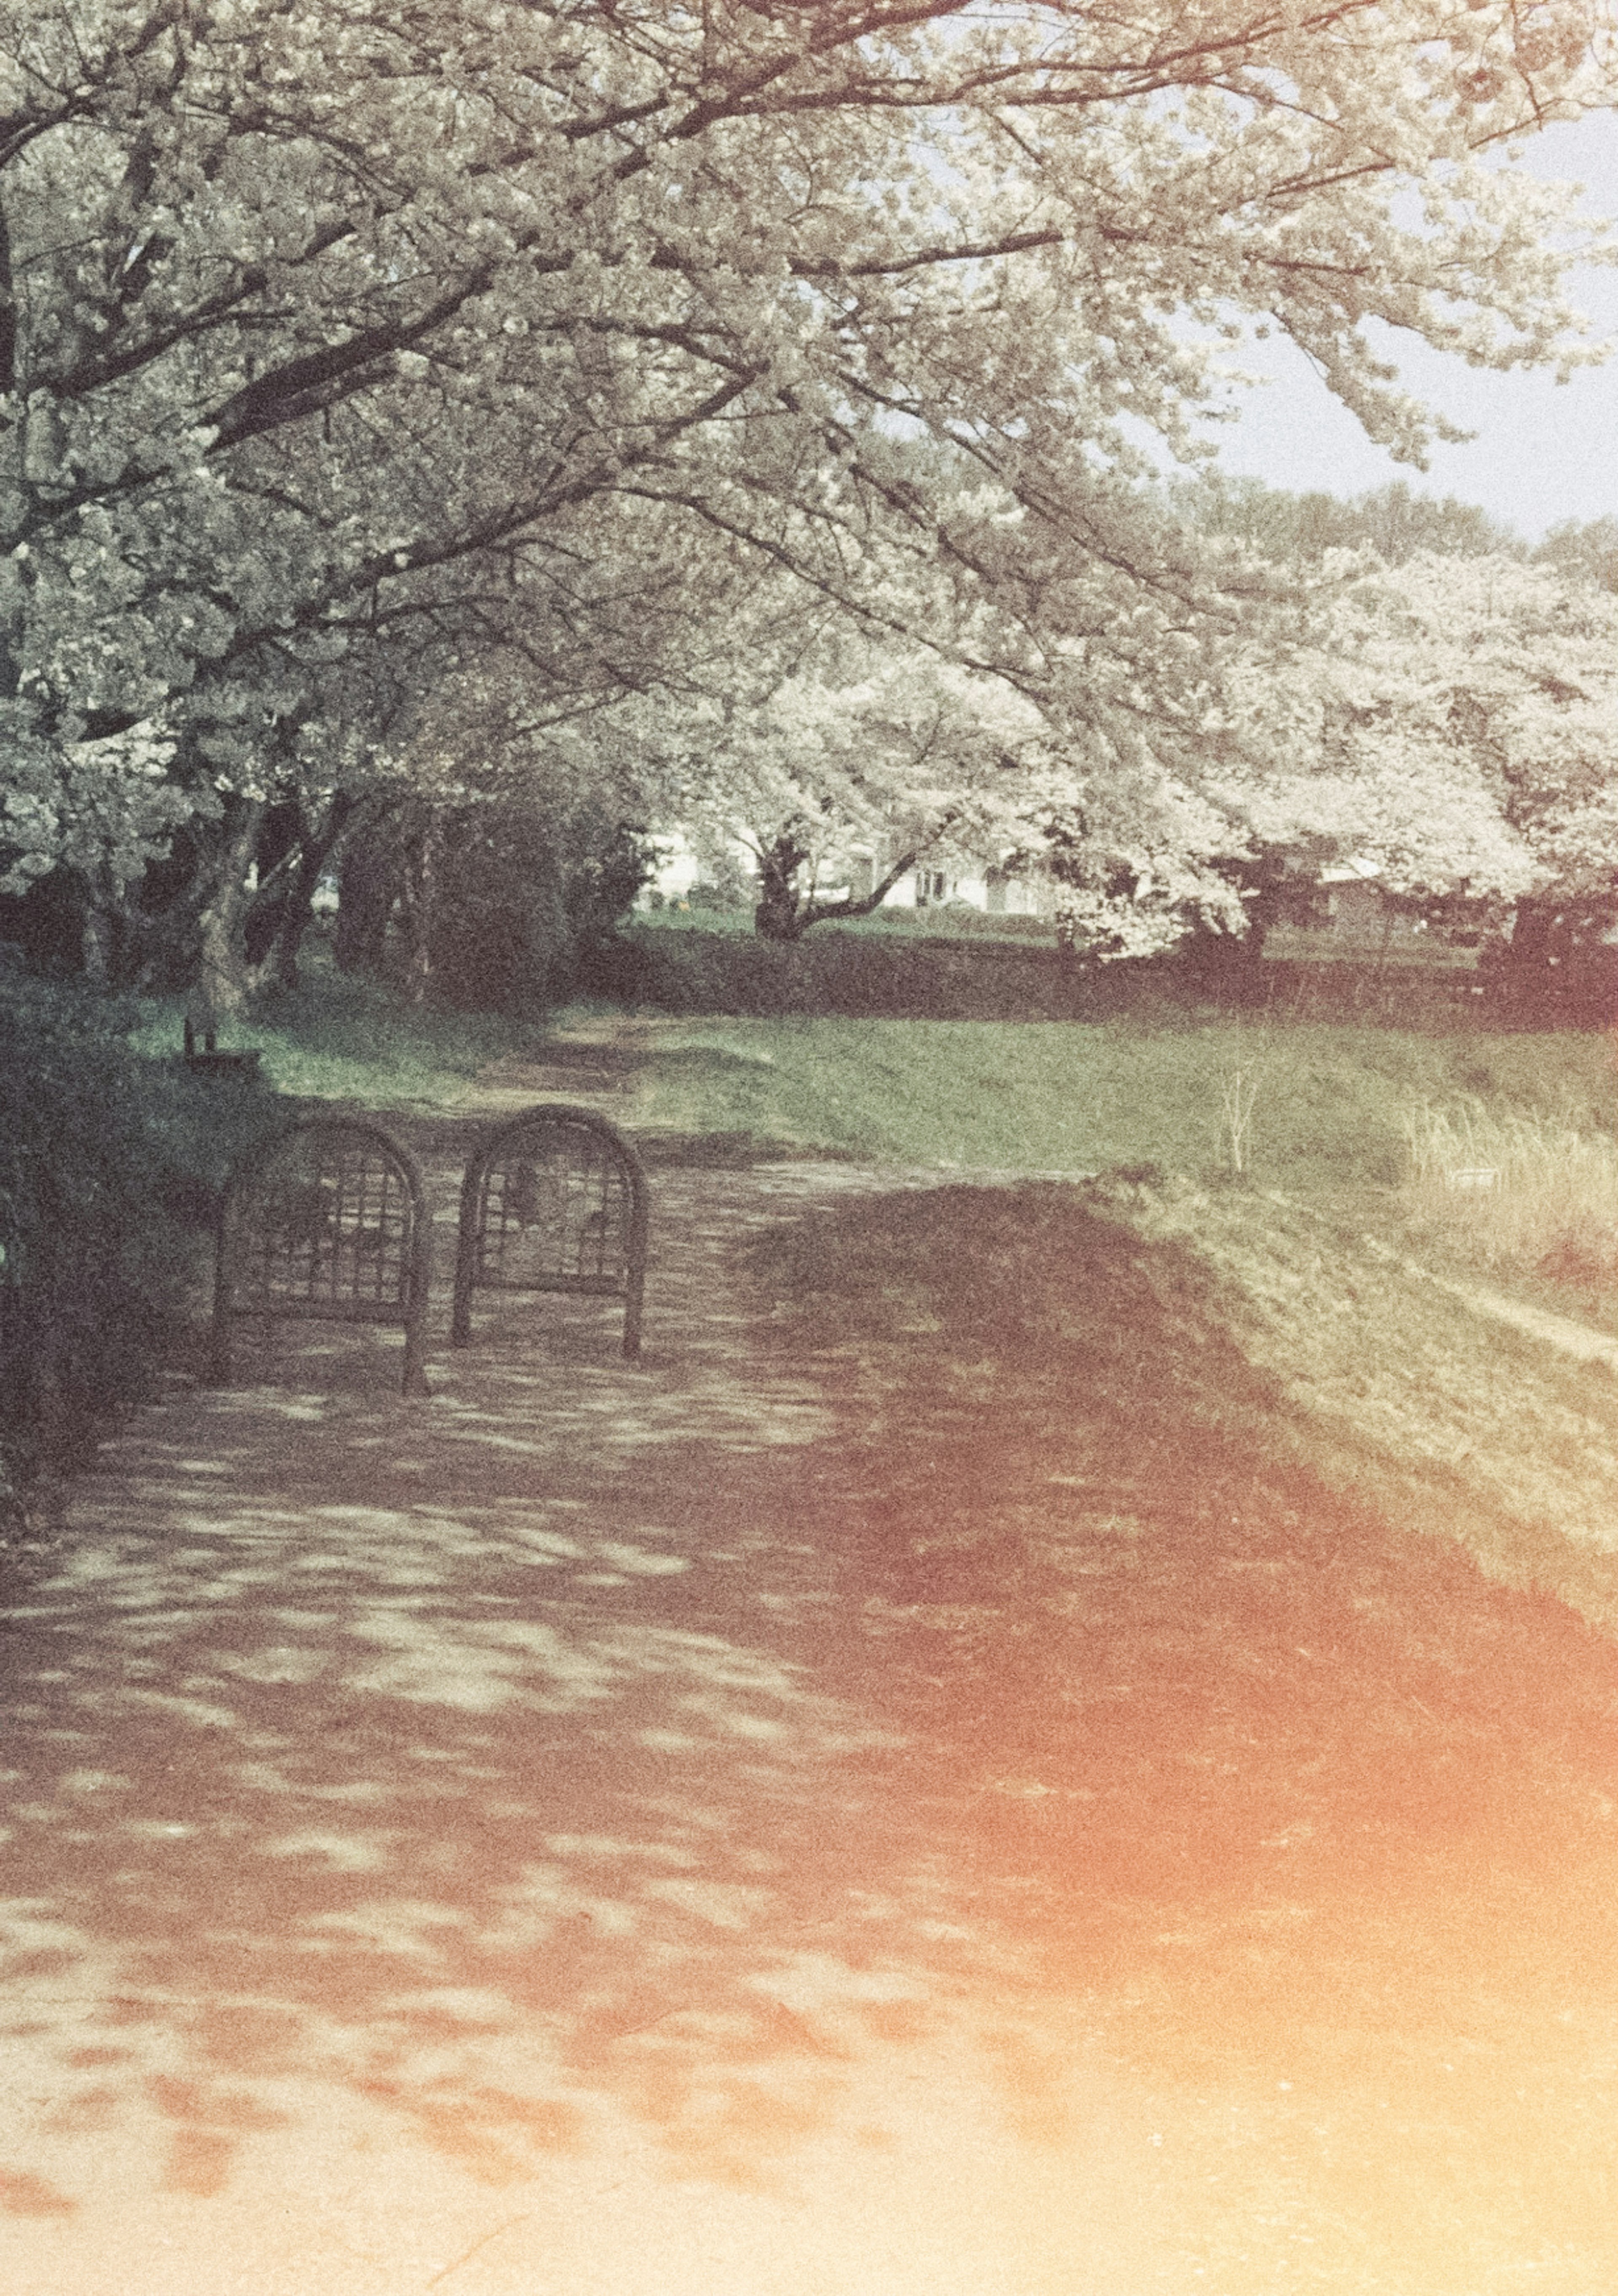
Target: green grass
673, 917
1329, 1106
342, 1038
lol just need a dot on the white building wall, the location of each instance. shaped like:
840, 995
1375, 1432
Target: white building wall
988, 890
927, 886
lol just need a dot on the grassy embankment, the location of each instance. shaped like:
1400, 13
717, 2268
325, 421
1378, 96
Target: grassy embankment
1370, 1289
1320, 1108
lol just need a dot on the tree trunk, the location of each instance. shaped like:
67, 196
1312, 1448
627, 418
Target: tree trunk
1533, 940
221, 980
786, 914
1535, 969
110, 935
364, 901
779, 914
276, 931
419, 891
280, 965
95, 943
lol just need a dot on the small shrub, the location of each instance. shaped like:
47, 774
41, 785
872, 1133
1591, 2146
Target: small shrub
527, 906
109, 1167
1238, 1096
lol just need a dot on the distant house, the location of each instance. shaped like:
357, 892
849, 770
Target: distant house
978, 884
1354, 919
1358, 907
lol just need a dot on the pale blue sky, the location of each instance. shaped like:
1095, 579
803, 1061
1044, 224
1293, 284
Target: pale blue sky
1543, 453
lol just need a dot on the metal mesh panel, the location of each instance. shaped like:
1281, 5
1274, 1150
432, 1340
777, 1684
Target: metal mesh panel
555, 1214
329, 1221
554, 1201
327, 1226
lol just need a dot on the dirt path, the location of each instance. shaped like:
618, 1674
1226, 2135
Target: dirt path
819, 1814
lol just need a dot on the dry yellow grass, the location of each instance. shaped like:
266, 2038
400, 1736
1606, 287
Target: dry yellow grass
1515, 1191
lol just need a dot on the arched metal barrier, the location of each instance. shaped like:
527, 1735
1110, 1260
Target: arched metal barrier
553, 1201
327, 1222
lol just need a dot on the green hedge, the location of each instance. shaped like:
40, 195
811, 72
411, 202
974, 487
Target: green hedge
109, 1169
862, 975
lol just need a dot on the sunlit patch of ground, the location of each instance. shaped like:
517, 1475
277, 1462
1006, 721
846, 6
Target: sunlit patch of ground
916, 1786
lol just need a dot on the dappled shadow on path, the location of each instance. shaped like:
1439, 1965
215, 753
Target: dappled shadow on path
599, 1743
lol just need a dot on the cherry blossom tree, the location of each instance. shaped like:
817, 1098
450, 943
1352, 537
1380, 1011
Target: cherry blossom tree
495, 340
824, 752
1452, 721
1391, 522
1530, 658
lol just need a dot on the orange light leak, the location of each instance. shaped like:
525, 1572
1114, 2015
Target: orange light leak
997, 1842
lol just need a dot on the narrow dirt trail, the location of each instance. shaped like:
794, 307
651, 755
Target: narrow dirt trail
806, 1815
